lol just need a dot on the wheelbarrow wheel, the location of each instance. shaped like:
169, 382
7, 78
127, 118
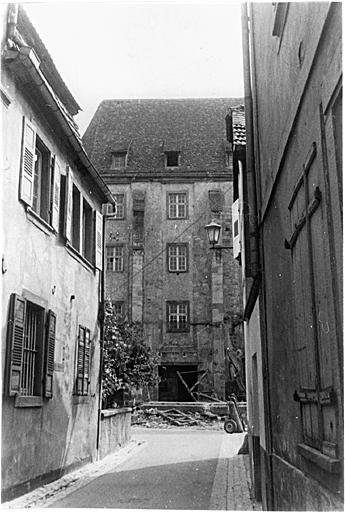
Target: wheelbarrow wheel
230, 426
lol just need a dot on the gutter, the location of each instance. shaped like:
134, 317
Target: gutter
31, 62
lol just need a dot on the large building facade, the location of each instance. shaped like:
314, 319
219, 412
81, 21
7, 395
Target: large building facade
52, 200
290, 194
169, 167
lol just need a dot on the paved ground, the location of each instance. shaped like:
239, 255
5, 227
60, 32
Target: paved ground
161, 469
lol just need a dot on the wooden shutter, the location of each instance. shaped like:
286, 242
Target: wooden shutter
49, 354
15, 342
55, 194
28, 162
68, 205
86, 363
98, 240
80, 360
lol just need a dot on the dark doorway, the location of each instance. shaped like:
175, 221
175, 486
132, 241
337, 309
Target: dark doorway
171, 388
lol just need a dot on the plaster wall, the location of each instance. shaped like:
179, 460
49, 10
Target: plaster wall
38, 441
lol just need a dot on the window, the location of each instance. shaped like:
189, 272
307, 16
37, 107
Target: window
39, 177
83, 362
119, 212
87, 231
83, 226
177, 258
76, 219
31, 345
118, 310
177, 206
115, 259
118, 160
172, 158
178, 316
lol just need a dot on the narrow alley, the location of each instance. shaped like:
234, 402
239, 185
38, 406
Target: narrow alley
165, 469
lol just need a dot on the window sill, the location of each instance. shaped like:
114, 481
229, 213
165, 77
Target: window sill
28, 401
177, 330
33, 217
80, 399
78, 257
323, 461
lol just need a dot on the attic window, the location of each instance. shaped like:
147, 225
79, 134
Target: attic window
118, 160
172, 158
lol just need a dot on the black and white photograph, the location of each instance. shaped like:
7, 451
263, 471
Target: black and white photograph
172, 255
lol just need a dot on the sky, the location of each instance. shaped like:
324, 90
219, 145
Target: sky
142, 49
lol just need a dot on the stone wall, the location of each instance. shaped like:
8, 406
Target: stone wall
115, 430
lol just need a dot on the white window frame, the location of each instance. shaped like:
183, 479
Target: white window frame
178, 258
115, 258
177, 205
177, 316
120, 206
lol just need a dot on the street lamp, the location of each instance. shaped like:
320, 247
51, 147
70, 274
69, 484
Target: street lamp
213, 233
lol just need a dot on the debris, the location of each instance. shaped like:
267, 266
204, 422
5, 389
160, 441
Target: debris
172, 418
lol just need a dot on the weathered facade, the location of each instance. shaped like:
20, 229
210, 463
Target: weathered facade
290, 184
169, 167
51, 270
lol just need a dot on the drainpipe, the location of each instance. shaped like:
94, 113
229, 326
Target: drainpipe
248, 51
101, 329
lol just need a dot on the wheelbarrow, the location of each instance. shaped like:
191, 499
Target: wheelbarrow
233, 422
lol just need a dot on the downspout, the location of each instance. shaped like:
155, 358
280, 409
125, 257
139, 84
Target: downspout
101, 329
248, 50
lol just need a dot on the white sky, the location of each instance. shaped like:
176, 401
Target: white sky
142, 49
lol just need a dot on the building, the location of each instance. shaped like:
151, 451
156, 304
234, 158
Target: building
290, 213
51, 269
169, 166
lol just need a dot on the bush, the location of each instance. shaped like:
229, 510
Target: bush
127, 361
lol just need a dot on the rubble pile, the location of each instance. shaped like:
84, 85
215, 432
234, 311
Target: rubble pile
172, 418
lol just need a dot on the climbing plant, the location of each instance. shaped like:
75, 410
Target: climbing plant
128, 362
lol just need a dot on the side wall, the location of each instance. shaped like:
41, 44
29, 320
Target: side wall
42, 441
298, 85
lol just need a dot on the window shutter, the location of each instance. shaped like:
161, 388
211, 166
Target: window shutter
28, 162
80, 361
216, 199
86, 362
15, 334
68, 205
49, 354
98, 240
55, 194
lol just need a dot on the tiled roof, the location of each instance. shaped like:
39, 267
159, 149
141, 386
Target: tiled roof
238, 125
194, 127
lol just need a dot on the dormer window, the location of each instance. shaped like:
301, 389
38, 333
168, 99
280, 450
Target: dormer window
172, 158
118, 160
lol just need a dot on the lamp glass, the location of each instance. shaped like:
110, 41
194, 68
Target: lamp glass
213, 232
